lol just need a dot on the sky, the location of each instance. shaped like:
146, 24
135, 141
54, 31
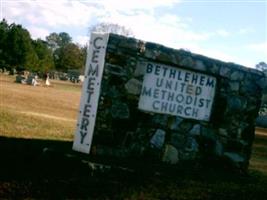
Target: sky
230, 30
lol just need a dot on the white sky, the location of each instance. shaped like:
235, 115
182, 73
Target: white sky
234, 31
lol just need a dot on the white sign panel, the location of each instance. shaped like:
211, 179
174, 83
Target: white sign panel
90, 92
178, 92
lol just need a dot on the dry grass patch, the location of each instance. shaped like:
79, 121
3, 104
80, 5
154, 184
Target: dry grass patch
38, 112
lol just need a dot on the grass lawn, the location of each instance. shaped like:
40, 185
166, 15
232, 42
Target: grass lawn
33, 117
38, 112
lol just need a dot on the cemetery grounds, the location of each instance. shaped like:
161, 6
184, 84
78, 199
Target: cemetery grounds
36, 132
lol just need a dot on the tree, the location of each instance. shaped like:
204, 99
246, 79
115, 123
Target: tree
53, 41
59, 43
56, 41
70, 57
3, 35
44, 54
19, 50
111, 28
262, 66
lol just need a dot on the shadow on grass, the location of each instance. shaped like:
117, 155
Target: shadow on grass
51, 170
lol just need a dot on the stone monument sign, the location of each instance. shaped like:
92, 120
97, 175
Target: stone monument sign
142, 100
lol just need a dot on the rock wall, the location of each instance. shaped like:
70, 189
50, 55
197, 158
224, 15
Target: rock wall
124, 131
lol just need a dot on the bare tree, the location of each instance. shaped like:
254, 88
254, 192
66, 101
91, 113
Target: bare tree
111, 28
262, 66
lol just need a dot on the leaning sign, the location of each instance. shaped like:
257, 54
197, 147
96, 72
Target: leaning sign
142, 100
90, 92
174, 91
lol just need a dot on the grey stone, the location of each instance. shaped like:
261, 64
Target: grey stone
120, 110
187, 62
115, 70
158, 139
236, 103
187, 155
218, 148
214, 68
129, 44
112, 92
262, 82
140, 69
196, 130
235, 157
223, 132
133, 86
164, 57
178, 140
160, 120
234, 86
191, 145
152, 54
237, 76
185, 125
225, 71
175, 122
170, 155
250, 88
208, 133
200, 65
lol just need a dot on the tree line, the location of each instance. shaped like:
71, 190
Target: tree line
20, 52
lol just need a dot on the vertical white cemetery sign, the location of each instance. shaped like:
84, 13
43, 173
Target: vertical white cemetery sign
90, 92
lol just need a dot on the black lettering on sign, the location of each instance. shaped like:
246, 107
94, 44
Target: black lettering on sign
83, 134
95, 42
176, 91
187, 76
179, 76
194, 79
163, 92
146, 92
159, 82
179, 98
164, 71
157, 70
202, 80
198, 90
95, 56
87, 110
155, 105
201, 103
156, 93
164, 106
210, 82
91, 83
195, 112
172, 73
90, 93
180, 109
168, 84
187, 111
149, 68
93, 70
85, 123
